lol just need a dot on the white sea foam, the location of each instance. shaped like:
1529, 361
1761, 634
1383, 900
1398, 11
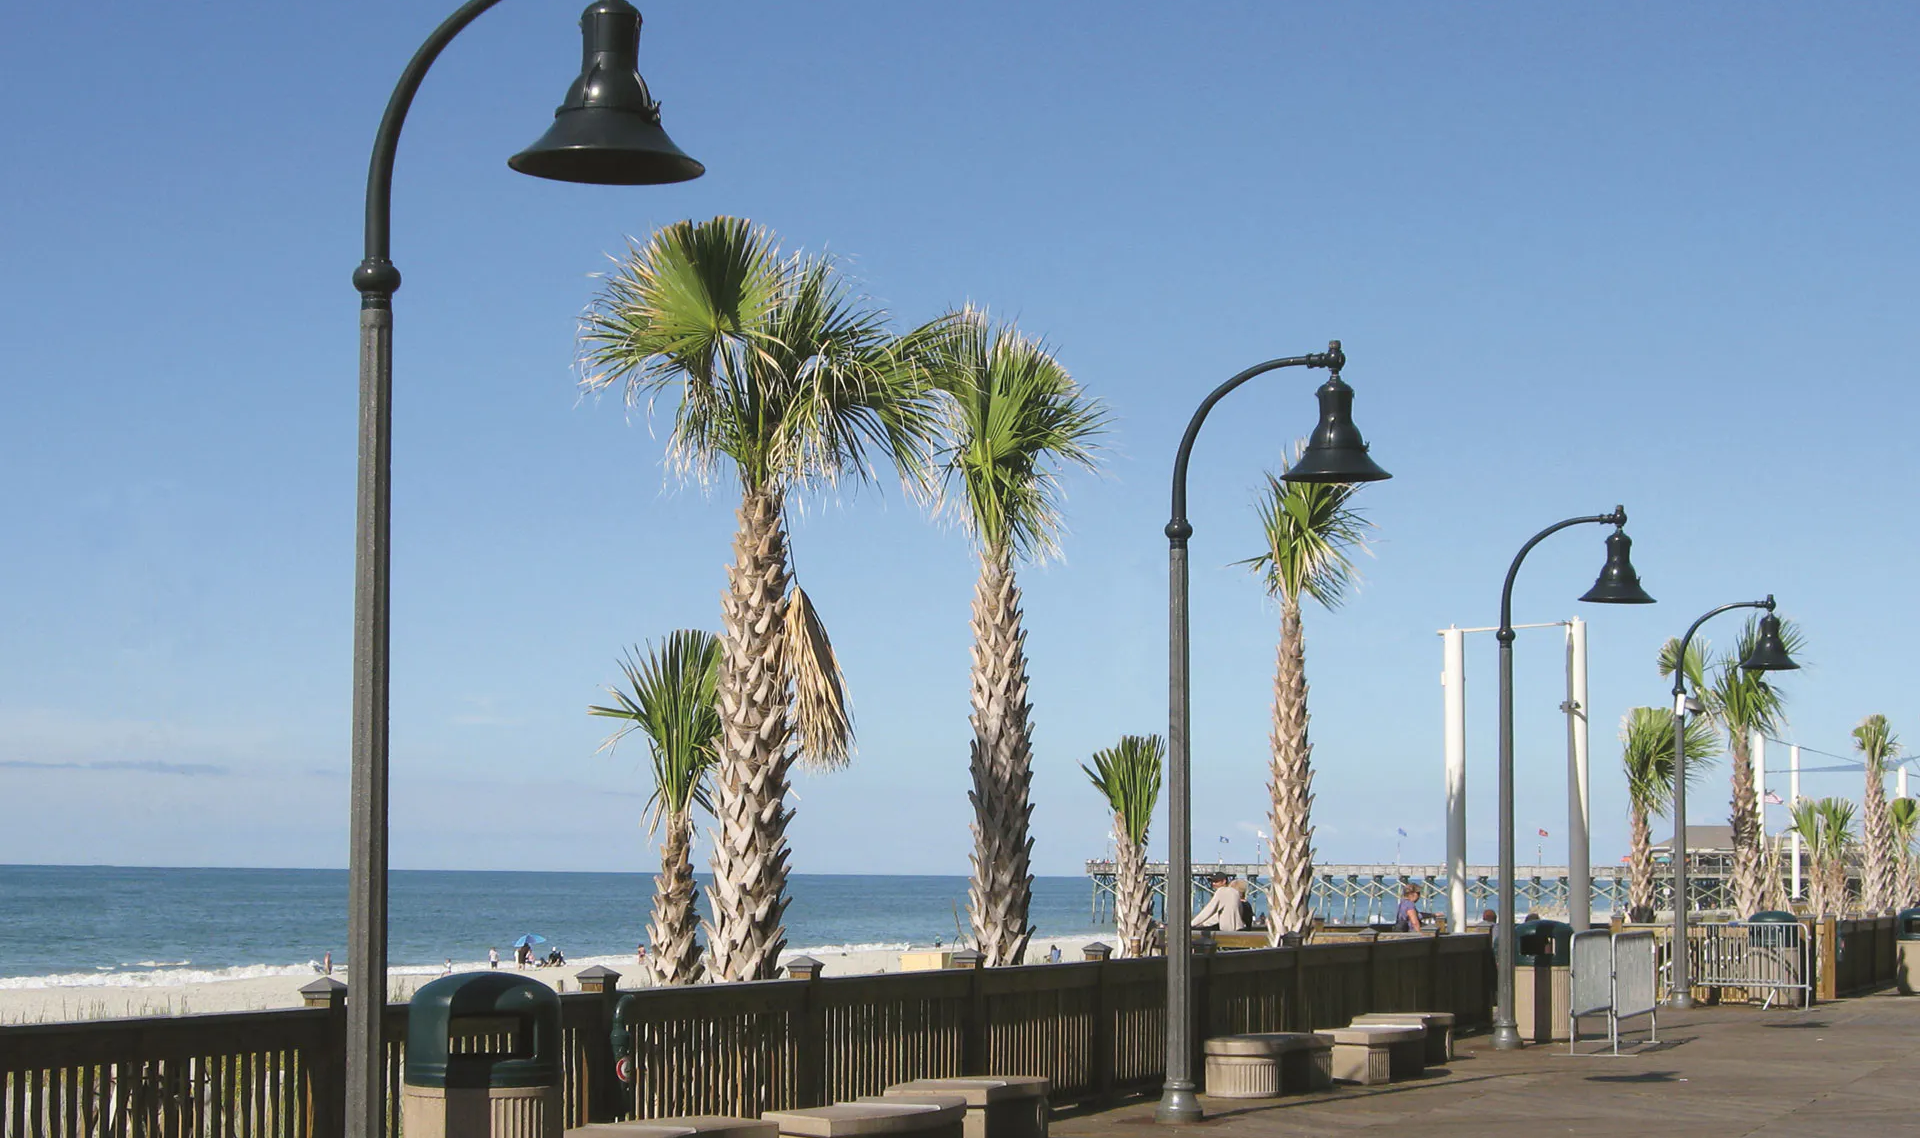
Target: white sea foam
154, 977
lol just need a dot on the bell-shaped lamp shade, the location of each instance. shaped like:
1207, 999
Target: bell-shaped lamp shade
608, 131
1335, 452
1769, 654
1618, 583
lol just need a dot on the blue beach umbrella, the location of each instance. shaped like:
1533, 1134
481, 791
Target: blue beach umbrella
529, 940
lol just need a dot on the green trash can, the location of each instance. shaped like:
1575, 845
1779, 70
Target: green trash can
1542, 950
483, 1059
1778, 947
1906, 935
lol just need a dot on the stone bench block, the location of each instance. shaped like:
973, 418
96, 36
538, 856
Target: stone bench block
1268, 1064
931, 1116
688, 1126
1378, 1053
1439, 1027
998, 1106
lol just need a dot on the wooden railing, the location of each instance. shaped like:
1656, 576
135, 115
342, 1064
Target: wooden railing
1096, 1029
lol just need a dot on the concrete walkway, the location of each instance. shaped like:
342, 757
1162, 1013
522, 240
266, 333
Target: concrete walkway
1838, 1069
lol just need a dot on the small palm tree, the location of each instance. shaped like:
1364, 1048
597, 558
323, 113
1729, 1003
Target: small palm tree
1826, 824
786, 375
1311, 531
1128, 776
1013, 418
1646, 751
1880, 876
1741, 702
1904, 814
670, 698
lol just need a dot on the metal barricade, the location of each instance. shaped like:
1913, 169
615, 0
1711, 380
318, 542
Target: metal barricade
1775, 958
1612, 975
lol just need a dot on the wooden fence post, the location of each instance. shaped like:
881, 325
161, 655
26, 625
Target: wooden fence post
1102, 1041
976, 1035
811, 1045
600, 1097
326, 1082
1829, 978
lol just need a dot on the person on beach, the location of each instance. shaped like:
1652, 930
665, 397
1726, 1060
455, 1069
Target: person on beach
1407, 918
448, 970
327, 962
493, 958
1222, 911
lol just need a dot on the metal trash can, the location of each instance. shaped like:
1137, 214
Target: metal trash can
1542, 951
483, 1059
1906, 935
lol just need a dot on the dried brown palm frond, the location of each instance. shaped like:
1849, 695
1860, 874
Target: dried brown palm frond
820, 712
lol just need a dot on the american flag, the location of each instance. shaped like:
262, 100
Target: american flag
1544, 834
1774, 799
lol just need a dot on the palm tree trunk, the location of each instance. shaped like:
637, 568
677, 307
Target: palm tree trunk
1133, 900
672, 929
749, 894
1290, 785
1749, 865
1880, 874
1002, 765
1639, 865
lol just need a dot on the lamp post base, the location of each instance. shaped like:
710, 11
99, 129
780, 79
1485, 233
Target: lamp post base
1680, 1001
1178, 1103
1506, 1037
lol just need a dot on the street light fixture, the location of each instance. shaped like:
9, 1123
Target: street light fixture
606, 132
1334, 453
1768, 655
1617, 584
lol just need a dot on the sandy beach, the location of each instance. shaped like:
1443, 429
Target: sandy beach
184, 992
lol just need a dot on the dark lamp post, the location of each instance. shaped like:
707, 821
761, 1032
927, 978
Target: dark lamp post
1618, 584
608, 131
1768, 655
1334, 453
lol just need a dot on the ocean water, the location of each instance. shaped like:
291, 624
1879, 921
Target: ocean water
111, 925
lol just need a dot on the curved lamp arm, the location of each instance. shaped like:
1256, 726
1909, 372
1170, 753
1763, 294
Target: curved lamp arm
1618, 517
1178, 529
1680, 657
376, 278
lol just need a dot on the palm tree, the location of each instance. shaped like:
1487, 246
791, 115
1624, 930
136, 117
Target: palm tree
1880, 877
787, 375
1904, 814
1741, 702
1128, 775
1646, 751
1826, 824
1013, 417
670, 697
1311, 531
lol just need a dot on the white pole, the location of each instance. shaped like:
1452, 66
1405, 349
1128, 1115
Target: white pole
1793, 798
1900, 780
1579, 806
1454, 679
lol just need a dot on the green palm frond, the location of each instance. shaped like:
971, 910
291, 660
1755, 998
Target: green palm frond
1128, 775
1013, 417
779, 365
1696, 661
1825, 823
1743, 701
1311, 531
1646, 752
670, 697
1876, 742
1905, 814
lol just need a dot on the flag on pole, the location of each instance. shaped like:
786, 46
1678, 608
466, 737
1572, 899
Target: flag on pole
1402, 833
1224, 841
1774, 799
1544, 834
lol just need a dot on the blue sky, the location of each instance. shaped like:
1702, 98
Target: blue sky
1663, 256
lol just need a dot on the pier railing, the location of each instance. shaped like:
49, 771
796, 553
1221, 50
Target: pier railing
1097, 1029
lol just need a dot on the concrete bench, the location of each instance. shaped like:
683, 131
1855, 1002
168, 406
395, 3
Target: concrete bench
703, 1125
998, 1106
1378, 1053
1268, 1064
932, 1116
1439, 1027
